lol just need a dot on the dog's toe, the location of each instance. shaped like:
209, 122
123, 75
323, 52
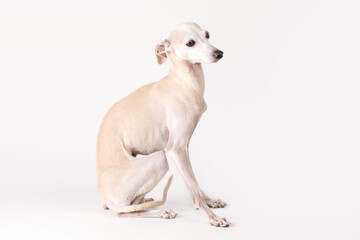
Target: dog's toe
166, 214
215, 203
219, 222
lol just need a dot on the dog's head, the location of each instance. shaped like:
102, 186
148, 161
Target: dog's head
188, 42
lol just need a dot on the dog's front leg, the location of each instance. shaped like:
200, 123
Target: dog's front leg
180, 156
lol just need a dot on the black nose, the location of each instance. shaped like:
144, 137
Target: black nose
218, 54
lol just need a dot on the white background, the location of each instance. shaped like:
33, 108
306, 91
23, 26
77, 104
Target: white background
279, 142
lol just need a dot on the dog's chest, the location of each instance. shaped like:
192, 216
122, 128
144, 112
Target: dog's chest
184, 114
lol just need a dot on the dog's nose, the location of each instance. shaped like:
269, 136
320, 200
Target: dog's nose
218, 54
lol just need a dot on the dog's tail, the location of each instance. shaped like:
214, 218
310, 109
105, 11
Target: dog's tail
142, 206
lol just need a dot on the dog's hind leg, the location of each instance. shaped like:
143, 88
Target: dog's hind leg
138, 207
142, 175
136, 210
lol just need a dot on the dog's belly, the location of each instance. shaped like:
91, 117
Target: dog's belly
144, 130
146, 140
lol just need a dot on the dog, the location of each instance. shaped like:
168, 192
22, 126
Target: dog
155, 119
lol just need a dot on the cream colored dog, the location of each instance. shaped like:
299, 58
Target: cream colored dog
157, 118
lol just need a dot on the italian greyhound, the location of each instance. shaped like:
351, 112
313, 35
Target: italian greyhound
155, 119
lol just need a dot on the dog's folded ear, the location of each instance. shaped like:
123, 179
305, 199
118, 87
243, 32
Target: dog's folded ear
160, 51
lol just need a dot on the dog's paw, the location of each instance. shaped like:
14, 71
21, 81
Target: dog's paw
215, 203
168, 214
106, 207
219, 222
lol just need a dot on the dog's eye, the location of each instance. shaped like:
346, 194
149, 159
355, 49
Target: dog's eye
190, 43
207, 35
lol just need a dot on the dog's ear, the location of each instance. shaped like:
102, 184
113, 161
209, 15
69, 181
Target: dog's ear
160, 51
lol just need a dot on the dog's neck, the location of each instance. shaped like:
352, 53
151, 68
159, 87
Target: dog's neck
188, 74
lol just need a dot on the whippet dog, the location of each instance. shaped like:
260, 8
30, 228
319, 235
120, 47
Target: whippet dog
155, 119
